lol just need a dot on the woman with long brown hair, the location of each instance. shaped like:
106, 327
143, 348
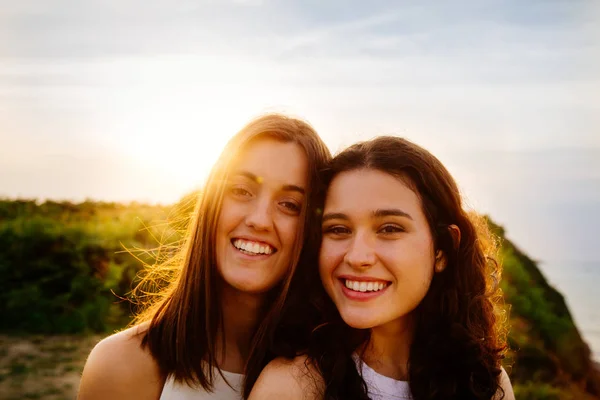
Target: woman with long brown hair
253, 229
410, 303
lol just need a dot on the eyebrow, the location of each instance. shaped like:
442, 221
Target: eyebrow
376, 214
287, 188
329, 216
395, 212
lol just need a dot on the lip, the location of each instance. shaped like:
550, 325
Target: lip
361, 296
361, 278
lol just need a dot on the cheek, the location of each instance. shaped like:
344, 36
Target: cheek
288, 231
417, 250
424, 251
331, 255
409, 260
230, 216
326, 268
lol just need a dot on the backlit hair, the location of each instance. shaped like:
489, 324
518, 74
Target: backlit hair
185, 320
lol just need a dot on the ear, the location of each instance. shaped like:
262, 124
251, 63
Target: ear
440, 261
440, 258
455, 234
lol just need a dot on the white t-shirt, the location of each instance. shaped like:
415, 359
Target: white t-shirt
221, 390
381, 387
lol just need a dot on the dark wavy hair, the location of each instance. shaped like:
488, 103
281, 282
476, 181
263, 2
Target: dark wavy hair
459, 339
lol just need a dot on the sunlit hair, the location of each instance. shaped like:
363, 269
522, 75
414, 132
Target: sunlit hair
186, 317
460, 337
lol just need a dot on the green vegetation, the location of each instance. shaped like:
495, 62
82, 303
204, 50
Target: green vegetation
548, 358
68, 268
65, 267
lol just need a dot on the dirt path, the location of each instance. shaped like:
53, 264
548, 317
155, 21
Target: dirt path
42, 367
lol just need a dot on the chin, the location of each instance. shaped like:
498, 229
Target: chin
360, 324
359, 321
251, 285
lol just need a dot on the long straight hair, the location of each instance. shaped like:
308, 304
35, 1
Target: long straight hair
186, 319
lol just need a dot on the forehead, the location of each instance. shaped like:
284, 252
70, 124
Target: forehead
366, 190
273, 161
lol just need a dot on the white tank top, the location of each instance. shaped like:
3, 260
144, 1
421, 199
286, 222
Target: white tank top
221, 390
381, 387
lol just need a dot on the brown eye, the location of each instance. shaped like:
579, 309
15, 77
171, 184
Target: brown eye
336, 230
390, 228
240, 192
291, 206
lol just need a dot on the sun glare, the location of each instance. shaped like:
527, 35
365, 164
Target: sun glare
180, 150
179, 114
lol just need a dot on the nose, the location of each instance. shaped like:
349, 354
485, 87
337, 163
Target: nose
259, 215
360, 254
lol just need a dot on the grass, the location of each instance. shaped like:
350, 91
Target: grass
42, 367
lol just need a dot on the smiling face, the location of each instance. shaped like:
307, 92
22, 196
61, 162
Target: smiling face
261, 215
377, 257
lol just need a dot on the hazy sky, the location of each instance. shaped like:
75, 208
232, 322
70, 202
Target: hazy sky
117, 100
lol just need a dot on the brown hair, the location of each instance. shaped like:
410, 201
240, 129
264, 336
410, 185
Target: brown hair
186, 319
459, 340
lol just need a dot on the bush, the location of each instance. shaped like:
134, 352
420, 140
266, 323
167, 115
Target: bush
536, 391
51, 277
66, 268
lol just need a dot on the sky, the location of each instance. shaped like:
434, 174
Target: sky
123, 101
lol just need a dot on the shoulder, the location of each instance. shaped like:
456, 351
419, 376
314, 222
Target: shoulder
506, 386
290, 380
118, 368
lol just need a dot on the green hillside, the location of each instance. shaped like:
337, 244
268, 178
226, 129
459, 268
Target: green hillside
548, 358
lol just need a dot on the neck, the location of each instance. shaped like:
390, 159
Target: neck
388, 349
241, 315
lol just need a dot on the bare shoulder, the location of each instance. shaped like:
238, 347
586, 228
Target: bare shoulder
297, 379
506, 386
118, 368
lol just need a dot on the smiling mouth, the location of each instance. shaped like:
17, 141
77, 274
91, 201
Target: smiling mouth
252, 248
364, 286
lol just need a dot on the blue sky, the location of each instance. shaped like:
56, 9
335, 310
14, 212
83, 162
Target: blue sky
133, 100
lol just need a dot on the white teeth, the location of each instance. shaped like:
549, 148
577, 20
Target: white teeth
252, 247
362, 286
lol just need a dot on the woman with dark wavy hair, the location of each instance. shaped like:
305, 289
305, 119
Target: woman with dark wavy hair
412, 306
253, 228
